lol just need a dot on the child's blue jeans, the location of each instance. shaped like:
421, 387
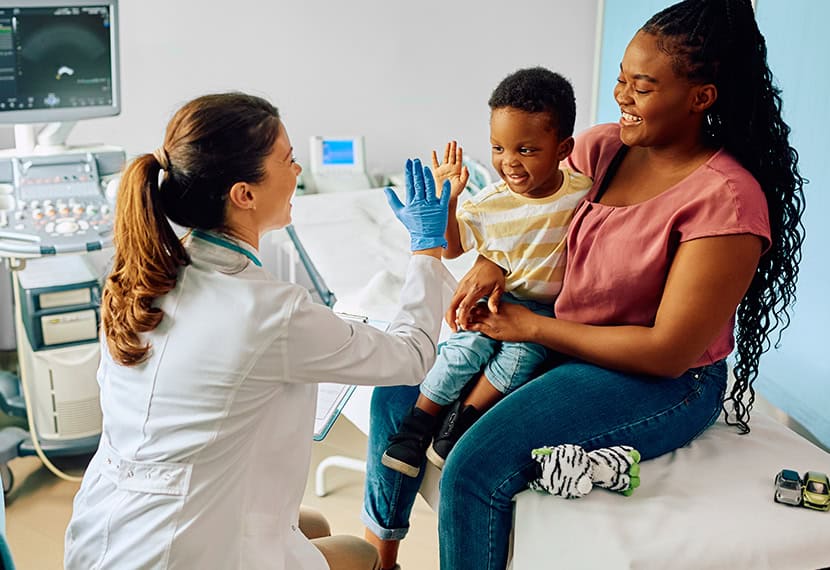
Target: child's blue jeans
465, 354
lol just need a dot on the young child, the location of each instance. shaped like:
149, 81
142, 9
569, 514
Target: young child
519, 223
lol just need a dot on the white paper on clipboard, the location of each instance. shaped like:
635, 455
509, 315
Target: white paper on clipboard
330, 401
331, 398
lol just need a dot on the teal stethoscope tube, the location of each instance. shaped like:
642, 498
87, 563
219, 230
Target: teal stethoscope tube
221, 242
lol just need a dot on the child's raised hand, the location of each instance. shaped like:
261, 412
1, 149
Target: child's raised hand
451, 169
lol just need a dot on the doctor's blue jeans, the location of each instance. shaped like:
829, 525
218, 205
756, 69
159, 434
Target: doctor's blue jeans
575, 403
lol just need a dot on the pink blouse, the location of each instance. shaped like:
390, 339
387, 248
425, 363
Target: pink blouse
619, 256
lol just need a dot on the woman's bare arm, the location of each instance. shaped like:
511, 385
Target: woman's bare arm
706, 281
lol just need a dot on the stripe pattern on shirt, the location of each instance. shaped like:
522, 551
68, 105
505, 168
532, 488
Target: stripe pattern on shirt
525, 236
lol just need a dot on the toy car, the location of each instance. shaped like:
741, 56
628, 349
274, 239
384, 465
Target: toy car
816, 491
787, 487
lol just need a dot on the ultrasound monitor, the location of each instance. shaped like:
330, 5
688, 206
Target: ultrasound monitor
338, 152
58, 60
336, 164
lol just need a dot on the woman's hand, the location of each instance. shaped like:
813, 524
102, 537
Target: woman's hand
484, 278
513, 323
424, 215
451, 169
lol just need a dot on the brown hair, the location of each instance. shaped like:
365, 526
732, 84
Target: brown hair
211, 143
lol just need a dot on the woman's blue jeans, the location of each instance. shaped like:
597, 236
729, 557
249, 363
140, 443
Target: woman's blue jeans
574, 403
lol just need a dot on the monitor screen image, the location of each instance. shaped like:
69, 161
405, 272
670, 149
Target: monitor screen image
338, 152
57, 62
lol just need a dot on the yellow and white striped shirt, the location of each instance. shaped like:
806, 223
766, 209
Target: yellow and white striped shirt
525, 236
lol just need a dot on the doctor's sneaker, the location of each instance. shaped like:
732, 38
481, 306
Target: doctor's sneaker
405, 453
457, 421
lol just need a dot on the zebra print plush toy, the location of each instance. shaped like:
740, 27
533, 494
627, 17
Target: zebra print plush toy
571, 472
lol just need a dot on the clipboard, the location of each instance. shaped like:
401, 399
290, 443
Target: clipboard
331, 399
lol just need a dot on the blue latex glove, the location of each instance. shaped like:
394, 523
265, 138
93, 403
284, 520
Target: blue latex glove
424, 215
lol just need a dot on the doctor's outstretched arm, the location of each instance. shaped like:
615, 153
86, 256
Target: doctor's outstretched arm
324, 348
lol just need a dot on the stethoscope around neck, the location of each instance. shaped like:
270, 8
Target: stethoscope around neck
227, 244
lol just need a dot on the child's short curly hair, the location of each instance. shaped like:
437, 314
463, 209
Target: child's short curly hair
538, 90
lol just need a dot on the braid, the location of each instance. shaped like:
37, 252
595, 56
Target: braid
718, 41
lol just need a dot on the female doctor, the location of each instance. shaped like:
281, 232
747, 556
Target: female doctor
210, 365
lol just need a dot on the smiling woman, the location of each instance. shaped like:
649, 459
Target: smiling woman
210, 365
691, 232
658, 106
266, 204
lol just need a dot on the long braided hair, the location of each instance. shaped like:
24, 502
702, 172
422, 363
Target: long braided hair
718, 41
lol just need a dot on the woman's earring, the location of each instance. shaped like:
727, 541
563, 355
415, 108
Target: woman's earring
712, 126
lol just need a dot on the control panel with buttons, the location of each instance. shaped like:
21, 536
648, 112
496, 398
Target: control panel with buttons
56, 204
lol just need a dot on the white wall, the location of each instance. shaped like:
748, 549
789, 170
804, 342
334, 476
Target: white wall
406, 75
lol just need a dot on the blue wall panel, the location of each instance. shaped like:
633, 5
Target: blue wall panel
796, 377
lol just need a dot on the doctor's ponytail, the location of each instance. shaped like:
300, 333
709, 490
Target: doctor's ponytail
147, 260
211, 143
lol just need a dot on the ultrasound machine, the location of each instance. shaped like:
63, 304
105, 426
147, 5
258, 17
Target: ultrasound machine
336, 164
59, 64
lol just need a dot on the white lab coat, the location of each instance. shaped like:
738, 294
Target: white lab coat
206, 446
